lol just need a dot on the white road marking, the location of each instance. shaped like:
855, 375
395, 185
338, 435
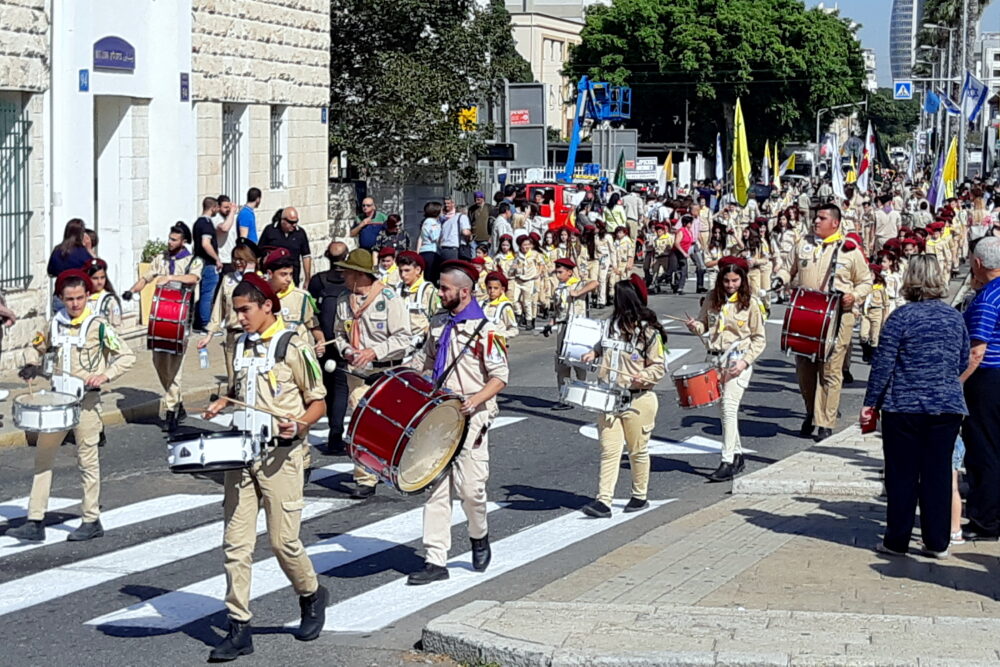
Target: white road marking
695, 444
675, 354
778, 322
146, 510
17, 508
79, 576
318, 435
178, 608
386, 604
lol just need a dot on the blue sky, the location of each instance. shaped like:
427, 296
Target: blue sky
873, 15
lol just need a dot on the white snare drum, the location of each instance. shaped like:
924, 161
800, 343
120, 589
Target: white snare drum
595, 397
582, 335
211, 452
46, 412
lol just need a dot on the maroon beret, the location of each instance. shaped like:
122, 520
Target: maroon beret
498, 276
468, 268
413, 257
264, 287
74, 273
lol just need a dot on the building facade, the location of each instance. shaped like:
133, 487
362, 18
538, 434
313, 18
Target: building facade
904, 23
871, 70
125, 113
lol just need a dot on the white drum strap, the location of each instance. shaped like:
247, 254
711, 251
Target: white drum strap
64, 382
256, 422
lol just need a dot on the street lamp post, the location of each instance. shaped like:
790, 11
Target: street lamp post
950, 80
819, 114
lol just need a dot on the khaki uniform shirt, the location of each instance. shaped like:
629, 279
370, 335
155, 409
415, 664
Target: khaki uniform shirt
729, 324
624, 251
808, 266
525, 267
664, 243
422, 302
384, 326
182, 267
485, 358
605, 251
566, 304
299, 311
505, 263
103, 353
223, 315
501, 314
643, 359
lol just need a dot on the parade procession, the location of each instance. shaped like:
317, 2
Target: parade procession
552, 332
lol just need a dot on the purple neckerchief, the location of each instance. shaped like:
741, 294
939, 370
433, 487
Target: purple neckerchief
181, 254
473, 311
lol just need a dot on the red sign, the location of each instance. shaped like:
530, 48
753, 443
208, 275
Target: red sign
520, 117
630, 164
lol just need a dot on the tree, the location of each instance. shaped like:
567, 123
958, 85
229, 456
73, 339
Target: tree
785, 62
949, 13
402, 70
894, 120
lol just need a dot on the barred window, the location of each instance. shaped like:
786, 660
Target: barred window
15, 181
279, 148
232, 144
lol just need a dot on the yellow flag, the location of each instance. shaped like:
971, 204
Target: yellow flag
741, 158
668, 166
852, 175
767, 154
950, 174
776, 168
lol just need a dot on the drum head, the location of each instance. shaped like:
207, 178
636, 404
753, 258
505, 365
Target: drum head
690, 370
432, 447
45, 399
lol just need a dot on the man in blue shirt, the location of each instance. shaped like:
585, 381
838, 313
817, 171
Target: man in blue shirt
246, 220
368, 227
981, 430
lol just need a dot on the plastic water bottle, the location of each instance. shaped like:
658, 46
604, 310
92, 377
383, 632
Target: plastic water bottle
203, 357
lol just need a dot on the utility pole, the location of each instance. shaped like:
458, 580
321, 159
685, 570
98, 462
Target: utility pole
962, 122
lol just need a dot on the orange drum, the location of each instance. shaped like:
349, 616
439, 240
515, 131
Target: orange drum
698, 385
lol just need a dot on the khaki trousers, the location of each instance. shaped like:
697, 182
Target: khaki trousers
563, 370
821, 383
729, 411
356, 389
632, 429
274, 481
169, 369
603, 280
87, 433
870, 330
467, 482
526, 297
514, 294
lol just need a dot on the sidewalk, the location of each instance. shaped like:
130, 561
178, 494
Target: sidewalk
136, 395
781, 573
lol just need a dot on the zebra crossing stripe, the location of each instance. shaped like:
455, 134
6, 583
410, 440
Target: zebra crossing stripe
58, 582
146, 510
389, 603
17, 508
176, 609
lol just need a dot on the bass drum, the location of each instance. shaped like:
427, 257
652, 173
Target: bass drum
170, 318
810, 325
406, 432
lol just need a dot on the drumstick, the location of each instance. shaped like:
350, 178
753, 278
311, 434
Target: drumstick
676, 319
700, 336
215, 397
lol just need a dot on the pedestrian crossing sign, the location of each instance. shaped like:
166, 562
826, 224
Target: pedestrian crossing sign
902, 90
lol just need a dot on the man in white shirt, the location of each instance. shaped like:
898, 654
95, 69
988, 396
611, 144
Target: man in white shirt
456, 231
225, 233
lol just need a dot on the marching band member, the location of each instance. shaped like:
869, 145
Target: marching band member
277, 370
373, 335
504, 261
467, 356
299, 311
103, 301
498, 308
824, 261
570, 301
875, 311
388, 272
420, 296
714, 251
939, 246
87, 354
607, 263
624, 254
244, 258
480, 263
632, 357
526, 273
176, 265
733, 318
548, 282
662, 249
893, 277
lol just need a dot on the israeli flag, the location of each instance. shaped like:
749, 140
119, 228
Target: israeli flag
974, 94
949, 104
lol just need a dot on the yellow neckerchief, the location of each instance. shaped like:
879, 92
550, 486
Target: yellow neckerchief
415, 287
725, 310
77, 321
528, 255
501, 299
271, 331
833, 238
288, 290
508, 255
96, 296
665, 235
877, 286
946, 233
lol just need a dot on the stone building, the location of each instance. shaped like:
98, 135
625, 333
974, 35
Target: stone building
125, 113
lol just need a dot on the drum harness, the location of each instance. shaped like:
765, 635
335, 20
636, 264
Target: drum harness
451, 367
248, 419
64, 382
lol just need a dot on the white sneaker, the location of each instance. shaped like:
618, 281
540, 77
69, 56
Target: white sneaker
4, 393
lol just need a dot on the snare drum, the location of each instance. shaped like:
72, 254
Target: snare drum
810, 326
170, 318
595, 397
211, 452
581, 336
46, 412
406, 432
698, 385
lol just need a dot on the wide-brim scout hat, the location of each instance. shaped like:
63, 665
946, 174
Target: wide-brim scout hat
359, 260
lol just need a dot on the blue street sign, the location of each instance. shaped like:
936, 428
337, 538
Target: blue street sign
902, 90
84, 81
322, 115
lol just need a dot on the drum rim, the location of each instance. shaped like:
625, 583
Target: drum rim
446, 464
708, 368
207, 435
46, 408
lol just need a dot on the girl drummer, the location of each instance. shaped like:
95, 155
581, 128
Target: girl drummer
632, 359
103, 300
733, 318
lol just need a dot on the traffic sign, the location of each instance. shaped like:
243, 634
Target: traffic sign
902, 90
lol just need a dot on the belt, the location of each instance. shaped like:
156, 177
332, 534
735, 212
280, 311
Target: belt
386, 364
635, 392
278, 443
715, 353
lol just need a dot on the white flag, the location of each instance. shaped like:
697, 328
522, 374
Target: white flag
974, 94
838, 170
720, 172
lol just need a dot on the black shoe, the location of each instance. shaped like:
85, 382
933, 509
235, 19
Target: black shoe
739, 464
848, 377
363, 492
306, 474
239, 641
597, 509
822, 433
181, 413
481, 554
313, 614
330, 449
29, 531
807, 427
634, 505
723, 473
700, 290
971, 532
103, 440
172, 422
168, 418
429, 574
88, 530
561, 406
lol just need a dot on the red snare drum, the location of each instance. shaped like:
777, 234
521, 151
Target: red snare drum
698, 385
810, 326
405, 432
170, 318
